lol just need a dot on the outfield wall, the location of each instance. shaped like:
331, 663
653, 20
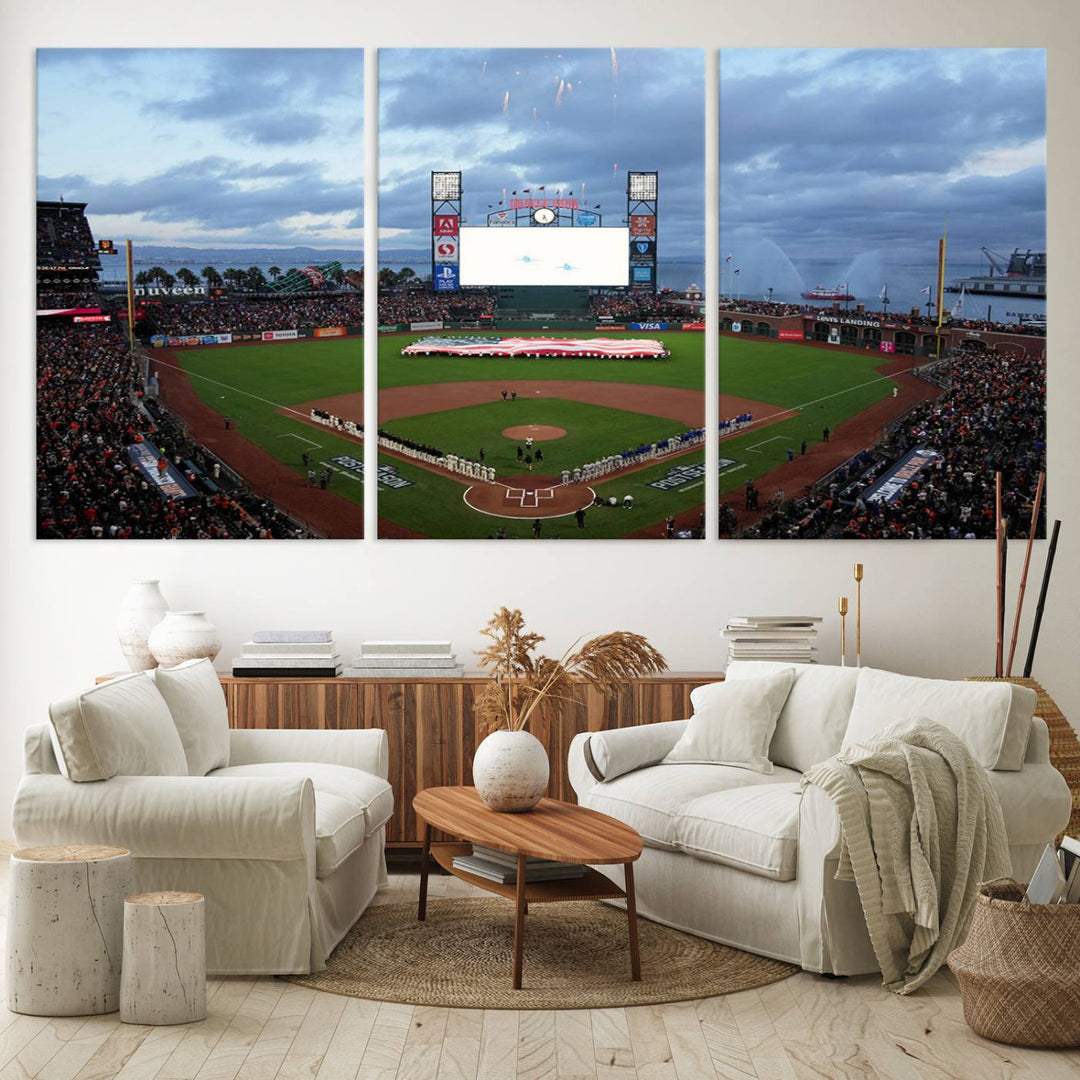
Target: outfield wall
178, 341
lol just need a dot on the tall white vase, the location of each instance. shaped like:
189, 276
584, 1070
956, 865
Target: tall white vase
142, 608
510, 771
184, 635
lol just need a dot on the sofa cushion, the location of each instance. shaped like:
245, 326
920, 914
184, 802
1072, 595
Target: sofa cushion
751, 828
340, 828
733, 722
992, 719
366, 792
193, 693
811, 725
654, 800
119, 728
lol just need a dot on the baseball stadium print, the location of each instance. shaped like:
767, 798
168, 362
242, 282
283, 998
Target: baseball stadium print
883, 293
199, 293
541, 347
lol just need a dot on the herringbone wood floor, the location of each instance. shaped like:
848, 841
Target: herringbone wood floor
260, 1029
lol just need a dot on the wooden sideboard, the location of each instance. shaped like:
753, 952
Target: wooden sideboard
431, 725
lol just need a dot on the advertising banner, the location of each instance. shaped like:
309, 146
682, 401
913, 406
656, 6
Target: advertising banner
390, 328
193, 339
168, 290
279, 335
157, 341
889, 486
648, 326
445, 225
169, 482
643, 249
642, 225
736, 327
693, 326
426, 325
501, 218
329, 331
834, 335
587, 219
887, 346
446, 249
70, 311
791, 335
446, 278
91, 318
641, 274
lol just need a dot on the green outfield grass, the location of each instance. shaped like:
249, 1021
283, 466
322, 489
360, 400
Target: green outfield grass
434, 505
684, 369
828, 386
592, 431
246, 382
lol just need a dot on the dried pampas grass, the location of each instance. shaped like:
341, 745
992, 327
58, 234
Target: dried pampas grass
526, 685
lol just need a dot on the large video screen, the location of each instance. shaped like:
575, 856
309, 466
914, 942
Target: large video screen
563, 255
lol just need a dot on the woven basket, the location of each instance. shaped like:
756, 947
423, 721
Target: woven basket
1019, 969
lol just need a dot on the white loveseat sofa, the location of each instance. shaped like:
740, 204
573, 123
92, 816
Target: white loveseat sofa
282, 831
745, 858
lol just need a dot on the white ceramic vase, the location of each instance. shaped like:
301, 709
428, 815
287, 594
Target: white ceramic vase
510, 771
184, 635
143, 607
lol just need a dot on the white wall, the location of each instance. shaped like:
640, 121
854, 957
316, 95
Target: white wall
928, 607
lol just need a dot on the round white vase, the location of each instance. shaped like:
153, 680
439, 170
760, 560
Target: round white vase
510, 771
184, 635
142, 608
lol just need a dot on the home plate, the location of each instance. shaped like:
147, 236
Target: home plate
529, 499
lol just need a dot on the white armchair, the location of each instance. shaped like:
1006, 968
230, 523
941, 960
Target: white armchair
286, 841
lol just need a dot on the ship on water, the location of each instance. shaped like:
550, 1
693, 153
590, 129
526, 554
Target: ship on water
821, 293
1023, 274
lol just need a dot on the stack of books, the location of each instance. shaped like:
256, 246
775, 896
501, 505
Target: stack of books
405, 660
1057, 877
501, 866
292, 653
787, 639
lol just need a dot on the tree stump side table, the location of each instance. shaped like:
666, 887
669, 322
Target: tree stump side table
164, 980
65, 929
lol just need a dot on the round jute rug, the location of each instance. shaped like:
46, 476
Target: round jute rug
576, 957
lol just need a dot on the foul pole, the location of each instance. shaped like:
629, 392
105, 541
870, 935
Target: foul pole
940, 288
130, 300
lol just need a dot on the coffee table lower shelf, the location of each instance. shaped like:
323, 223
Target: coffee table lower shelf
591, 886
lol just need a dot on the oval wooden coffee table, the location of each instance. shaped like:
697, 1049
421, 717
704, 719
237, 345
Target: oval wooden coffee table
553, 830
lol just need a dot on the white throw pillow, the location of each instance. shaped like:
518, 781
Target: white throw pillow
993, 720
733, 722
193, 693
812, 723
121, 728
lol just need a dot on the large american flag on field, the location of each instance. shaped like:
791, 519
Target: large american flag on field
605, 348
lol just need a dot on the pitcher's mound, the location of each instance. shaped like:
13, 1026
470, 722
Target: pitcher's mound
539, 432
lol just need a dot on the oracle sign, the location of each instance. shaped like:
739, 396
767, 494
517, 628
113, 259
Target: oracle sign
169, 290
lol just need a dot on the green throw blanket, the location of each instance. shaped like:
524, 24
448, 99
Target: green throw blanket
921, 829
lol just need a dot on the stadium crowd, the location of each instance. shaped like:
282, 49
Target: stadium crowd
63, 235
87, 485
638, 306
992, 417
417, 306
893, 318
255, 314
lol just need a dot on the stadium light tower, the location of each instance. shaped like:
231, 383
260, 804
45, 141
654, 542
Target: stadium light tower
642, 200
445, 230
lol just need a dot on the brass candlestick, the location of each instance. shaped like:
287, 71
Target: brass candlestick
858, 614
841, 607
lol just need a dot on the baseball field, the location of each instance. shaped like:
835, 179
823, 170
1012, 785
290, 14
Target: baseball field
266, 390
806, 389
574, 410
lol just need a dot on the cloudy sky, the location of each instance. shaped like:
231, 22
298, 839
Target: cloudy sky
499, 116
206, 147
831, 154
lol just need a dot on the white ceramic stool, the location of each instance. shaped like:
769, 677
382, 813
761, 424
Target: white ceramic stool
65, 929
164, 980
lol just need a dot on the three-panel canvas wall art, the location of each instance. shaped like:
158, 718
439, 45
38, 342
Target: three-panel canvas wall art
542, 312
